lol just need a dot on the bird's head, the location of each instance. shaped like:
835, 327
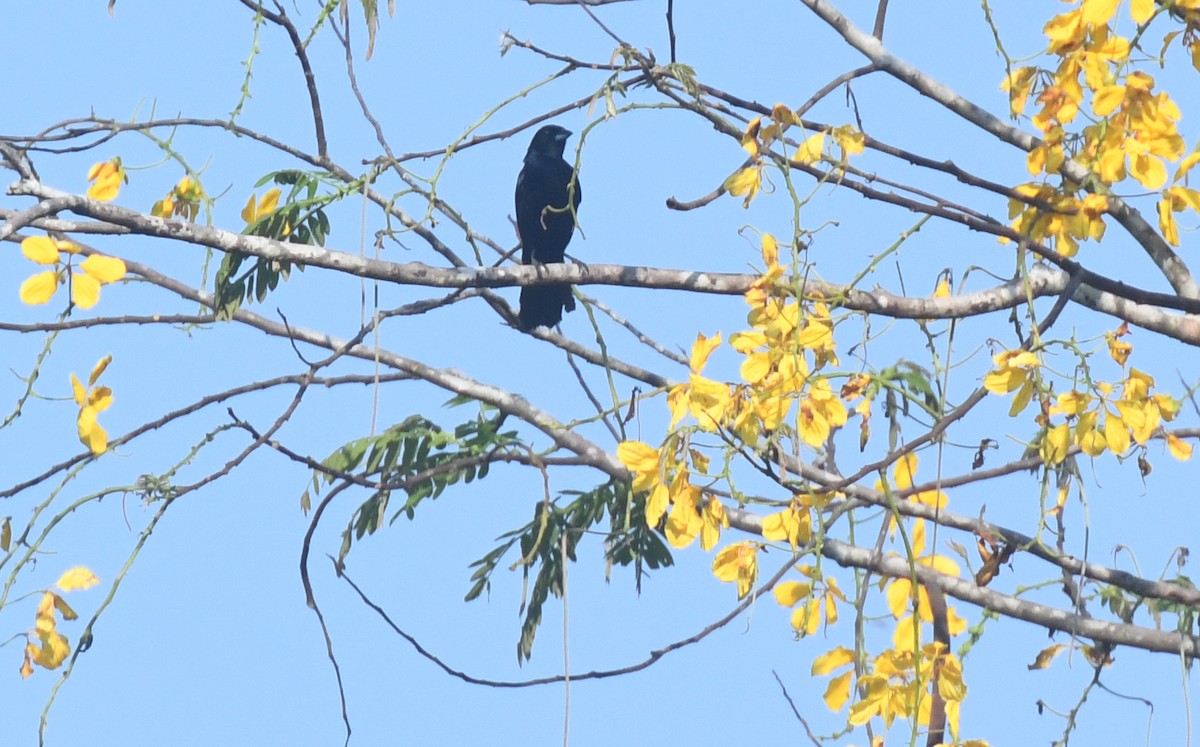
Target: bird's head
549, 141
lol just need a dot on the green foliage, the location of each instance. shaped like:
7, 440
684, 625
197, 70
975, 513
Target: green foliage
416, 458
912, 383
556, 529
299, 219
1186, 615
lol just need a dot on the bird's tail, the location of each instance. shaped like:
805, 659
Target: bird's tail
542, 305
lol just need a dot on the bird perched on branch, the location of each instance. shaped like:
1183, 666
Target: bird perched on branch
547, 197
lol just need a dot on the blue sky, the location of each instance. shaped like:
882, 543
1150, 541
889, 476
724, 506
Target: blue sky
209, 640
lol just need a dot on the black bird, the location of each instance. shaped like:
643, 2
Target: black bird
547, 197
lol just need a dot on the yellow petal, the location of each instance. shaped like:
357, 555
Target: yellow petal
1141, 10
100, 398
789, 593
40, 249
1116, 434
744, 182
97, 440
831, 660
1184, 196
683, 523
85, 422
40, 288
1192, 158
838, 692
106, 188
770, 250
955, 623
1003, 380
248, 212
941, 564
98, 369
77, 578
105, 269
1098, 12
906, 637
1179, 448
269, 202
1024, 396
78, 391
1057, 441
101, 170
1107, 99
1046, 655
27, 666
903, 470
702, 349
756, 367
810, 150
850, 140
637, 456
899, 597
64, 609
53, 652
85, 290
1167, 224
656, 504
1148, 170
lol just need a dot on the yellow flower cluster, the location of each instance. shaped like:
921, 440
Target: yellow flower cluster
47, 647
1132, 414
893, 684
1134, 131
183, 200
758, 138
788, 342
97, 269
1106, 417
812, 600
106, 178
92, 401
665, 475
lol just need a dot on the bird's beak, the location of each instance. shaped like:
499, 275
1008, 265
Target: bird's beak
562, 136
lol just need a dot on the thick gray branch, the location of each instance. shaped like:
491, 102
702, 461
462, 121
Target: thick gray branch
1051, 618
1042, 281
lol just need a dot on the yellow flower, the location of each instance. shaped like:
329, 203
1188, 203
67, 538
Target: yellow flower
1018, 85
851, 141
713, 519
183, 200
642, 460
92, 401
254, 211
820, 412
1056, 442
85, 286
106, 178
745, 181
738, 563
1119, 350
793, 524
1014, 369
809, 152
1179, 448
683, 523
708, 401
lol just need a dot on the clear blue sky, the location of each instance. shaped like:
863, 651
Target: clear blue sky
209, 640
